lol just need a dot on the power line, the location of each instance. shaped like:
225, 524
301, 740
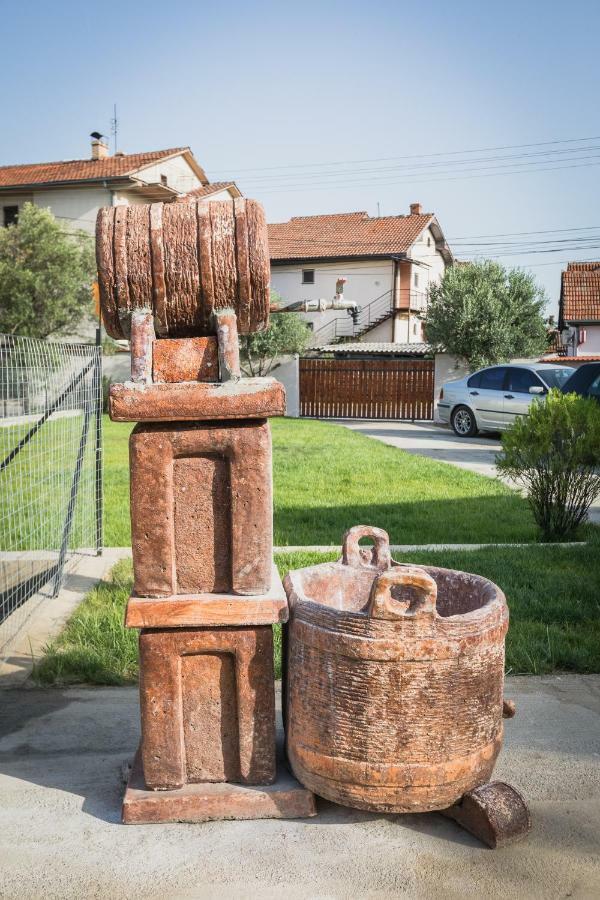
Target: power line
520, 233
514, 159
413, 181
413, 156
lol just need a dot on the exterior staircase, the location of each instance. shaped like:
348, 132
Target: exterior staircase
348, 328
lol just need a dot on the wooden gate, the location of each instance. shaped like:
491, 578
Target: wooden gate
367, 388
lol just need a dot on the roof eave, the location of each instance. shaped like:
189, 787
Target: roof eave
287, 261
116, 180
440, 241
187, 155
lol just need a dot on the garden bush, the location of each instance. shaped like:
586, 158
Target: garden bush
555, 453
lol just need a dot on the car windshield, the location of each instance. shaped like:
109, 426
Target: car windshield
555, 378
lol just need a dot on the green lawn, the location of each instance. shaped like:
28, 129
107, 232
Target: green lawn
552, 594
328, 478
35, 486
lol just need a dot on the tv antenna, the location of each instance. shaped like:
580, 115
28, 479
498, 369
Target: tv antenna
114, 127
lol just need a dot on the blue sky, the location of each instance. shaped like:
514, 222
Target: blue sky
330, 107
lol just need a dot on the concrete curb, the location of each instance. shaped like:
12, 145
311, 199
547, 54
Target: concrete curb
49, 618
415, 548
395, 548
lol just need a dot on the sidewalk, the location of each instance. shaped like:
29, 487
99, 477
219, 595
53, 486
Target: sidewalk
61, 755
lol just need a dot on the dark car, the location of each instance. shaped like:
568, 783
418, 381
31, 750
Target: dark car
584, 381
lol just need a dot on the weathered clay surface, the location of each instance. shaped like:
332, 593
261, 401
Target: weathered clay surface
201, 509
142, 342
183, 261
193, 610
495, 813
229, 347
394, 681
185, 359
249, 398
284, 799
208, 706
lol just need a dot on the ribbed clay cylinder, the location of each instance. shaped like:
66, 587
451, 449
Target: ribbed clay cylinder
394, 681
183, 261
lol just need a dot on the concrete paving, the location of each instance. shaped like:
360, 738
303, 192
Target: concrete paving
62, 752
438, 442
47, 617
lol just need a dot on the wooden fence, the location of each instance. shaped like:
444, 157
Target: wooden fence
367, 388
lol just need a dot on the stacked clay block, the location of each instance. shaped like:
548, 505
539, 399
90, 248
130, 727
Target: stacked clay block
206, 593
201, 517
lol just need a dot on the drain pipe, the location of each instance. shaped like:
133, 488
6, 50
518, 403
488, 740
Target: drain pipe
321, 305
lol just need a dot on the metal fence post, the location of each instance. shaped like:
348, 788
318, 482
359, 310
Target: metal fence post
99, 398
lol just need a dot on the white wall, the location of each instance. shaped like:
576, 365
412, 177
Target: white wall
382, 332
431, 272
16, 200
434, 266
179, 174
367, 280
76, 207
220, 195
447, 368
591, 345
287, 372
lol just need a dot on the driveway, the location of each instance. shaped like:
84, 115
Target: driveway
61, 754
426, 439
438, 442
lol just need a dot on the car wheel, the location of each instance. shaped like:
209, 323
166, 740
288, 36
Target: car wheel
463, 422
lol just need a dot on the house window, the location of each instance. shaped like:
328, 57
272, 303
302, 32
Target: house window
11, 215
308, 276
429, 242
416, 279
163, 179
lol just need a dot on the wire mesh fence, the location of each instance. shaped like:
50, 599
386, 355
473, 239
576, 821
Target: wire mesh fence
50, 470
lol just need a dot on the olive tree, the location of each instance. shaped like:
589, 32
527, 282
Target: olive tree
287, 333
46, 272
484, 314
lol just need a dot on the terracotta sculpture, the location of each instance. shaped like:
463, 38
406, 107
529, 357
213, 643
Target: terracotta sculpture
394, 683
177, 280
394, 697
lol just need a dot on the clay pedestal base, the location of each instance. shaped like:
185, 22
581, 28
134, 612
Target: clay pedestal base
285, 799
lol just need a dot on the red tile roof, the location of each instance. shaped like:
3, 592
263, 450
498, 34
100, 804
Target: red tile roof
207, 189
344, 234
73, 170
569, 360
580, 293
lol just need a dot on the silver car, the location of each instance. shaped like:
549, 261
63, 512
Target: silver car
491, 399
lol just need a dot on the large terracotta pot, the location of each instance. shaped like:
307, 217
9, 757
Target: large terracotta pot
394, 683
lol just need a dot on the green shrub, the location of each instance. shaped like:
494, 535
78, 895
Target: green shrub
555, 453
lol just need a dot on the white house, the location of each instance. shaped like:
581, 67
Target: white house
75, 189
389, 263
579, 310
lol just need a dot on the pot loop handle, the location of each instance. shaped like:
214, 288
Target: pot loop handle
383, 606
358, 557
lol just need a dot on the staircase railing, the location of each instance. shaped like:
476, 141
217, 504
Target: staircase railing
374, 312
345, 327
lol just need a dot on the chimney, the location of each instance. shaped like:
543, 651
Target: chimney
415, 209
99, 145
